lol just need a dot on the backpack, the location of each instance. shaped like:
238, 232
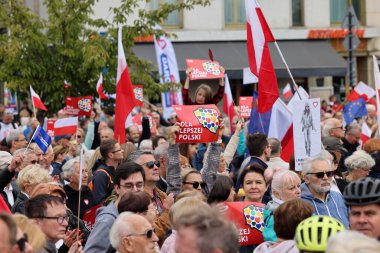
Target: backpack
91, 184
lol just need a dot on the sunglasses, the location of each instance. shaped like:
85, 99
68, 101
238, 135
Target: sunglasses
196, 184
21, 243
151, 164
322, 174
148, 234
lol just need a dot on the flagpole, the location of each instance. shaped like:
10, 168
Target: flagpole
287, 68
80, 186
31, 138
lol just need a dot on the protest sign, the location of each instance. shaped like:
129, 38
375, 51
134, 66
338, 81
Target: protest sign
79, 106
245, 107
199, 123
204, 69
90, 216
306, 130
248, 218
137, 120
50, 127
139, 95
10, 101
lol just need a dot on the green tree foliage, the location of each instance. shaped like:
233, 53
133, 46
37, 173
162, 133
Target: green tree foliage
68, 46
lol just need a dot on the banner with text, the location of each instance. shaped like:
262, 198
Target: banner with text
248, 218
199, 123
79, 106
50, 127
245, 107
204, 69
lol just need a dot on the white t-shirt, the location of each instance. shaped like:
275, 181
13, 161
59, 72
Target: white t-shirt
5, 129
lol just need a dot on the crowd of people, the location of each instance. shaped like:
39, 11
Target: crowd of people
152, 194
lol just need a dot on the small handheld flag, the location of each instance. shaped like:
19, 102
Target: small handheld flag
42, 139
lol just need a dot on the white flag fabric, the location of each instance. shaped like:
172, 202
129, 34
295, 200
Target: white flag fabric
377, 85
304, 95
81, 166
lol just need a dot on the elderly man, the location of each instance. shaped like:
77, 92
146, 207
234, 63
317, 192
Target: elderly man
49, 212
333, 127
352, 138
275, 160
105, 134
15, 140
318, 175
129, 177
132, 233
133, 134
12, 240
7, 125
44, 159
363, 198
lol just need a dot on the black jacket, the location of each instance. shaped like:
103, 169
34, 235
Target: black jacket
102, 182
19, 206
87, 199
15, 193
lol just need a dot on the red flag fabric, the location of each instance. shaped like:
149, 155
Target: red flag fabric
287, 91
3, 206
99, 88
260, 62
37, 103
228, 101
361, 90
125, 98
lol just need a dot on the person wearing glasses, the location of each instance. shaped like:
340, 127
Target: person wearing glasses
132, 233
15, 140
318, 174
333, 127
12, 240
102, 182
49, 212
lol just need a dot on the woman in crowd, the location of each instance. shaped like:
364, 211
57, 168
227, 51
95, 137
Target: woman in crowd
36, 238
254, 184
222, 191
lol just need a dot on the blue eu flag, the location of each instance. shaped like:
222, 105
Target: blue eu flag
353, 110
42, 139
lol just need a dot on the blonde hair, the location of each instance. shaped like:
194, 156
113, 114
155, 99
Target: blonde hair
352, 242
185, 207
91, 162
32, 175
36, 237
128, 148
191, 194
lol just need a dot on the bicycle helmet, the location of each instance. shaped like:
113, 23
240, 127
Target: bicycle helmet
312, 234
362, 192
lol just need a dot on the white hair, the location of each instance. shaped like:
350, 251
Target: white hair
13, 136
119, 229
68, 167
327, 126
282, 178
359, 160
146, 145
350, 241
306, 167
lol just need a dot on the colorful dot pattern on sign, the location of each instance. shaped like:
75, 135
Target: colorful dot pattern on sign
84, 104
138, 93
254, 217
211, 68
208, 118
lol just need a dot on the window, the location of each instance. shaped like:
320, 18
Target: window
174, 19
297, 13
338, 10
234, 13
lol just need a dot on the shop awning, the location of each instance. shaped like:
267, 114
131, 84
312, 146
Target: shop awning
304, 58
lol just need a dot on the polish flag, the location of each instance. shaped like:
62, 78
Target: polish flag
376, 73
287, 91
260, 62
99, 88
65, 126
361, 90
36, 100
125, 97
366, 133
228, 102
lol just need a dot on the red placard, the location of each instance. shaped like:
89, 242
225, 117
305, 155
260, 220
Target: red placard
204, 69
137, 120
199, 123
245, 106
90, 216
81, 106
139, 95
50, 127
249, 220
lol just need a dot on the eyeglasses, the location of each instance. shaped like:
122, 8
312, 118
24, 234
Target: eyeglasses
151, 164
322, 174
130, 186
59, 219
21, 140
196, 184
21, 243
340, 127
116, 151
148, 234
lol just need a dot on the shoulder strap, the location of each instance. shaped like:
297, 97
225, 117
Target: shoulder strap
108, 175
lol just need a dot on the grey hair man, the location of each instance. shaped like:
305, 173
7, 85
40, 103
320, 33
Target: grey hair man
318, 175
132, 233
15, 140
161, 155
275, 160
333, 127
352, 138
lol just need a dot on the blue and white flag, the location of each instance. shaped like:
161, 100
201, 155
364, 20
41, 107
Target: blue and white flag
353, 110
168, 70
42, 139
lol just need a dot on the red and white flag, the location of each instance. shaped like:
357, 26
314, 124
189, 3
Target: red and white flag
125, 97
228, 101
366, 133
287, 91
99, 88
260, 62
361, 90
376, 73
65, 126
36, 100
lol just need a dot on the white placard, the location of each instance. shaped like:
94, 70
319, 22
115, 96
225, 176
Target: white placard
306, 130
